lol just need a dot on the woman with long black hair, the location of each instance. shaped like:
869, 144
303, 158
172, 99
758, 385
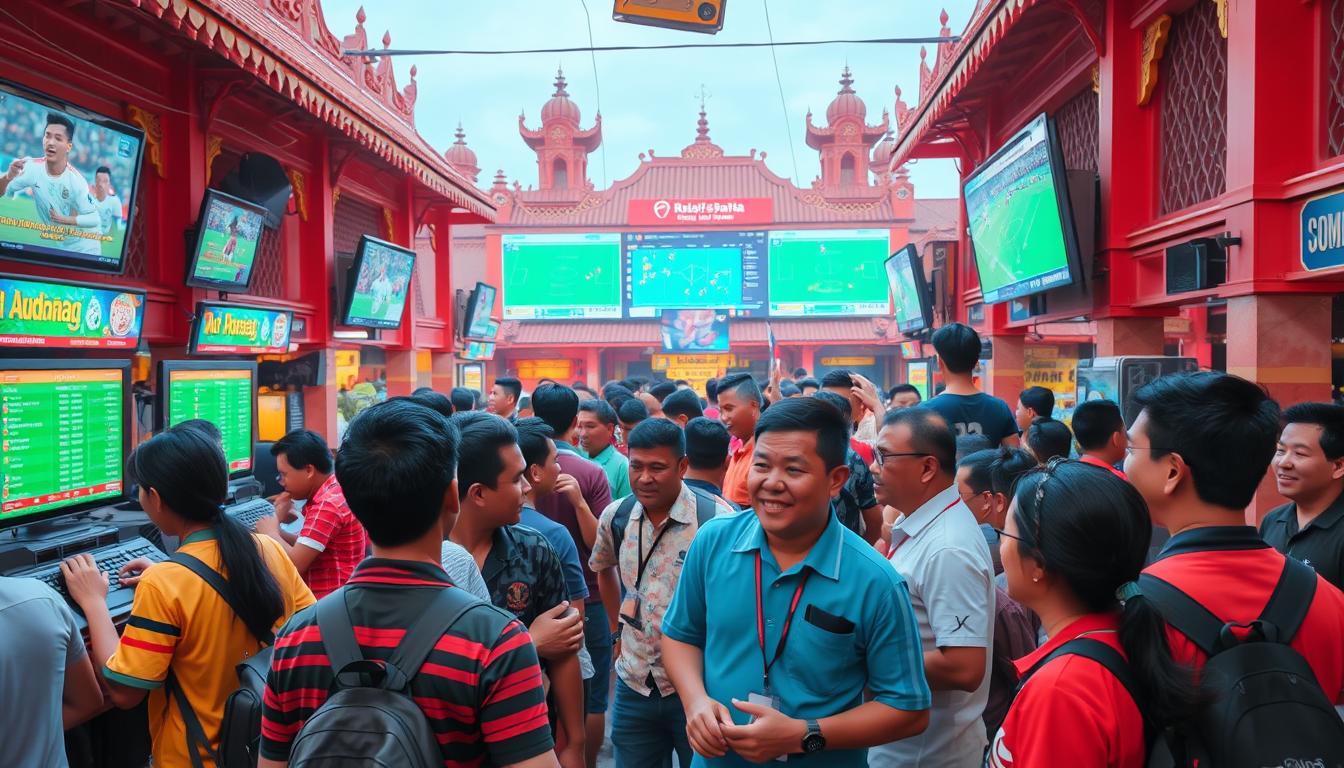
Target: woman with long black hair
1073, 544
181, 633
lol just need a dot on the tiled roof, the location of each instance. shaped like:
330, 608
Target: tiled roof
645, 332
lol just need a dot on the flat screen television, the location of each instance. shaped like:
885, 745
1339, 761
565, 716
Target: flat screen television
219, 391
228, 232
695, 270
561, 276
380, 280
68, 180
1021, 222
58, 314
229, 329
479, 350
828, 273
492, 330
480, 304
694, 330
909, 291
66, 436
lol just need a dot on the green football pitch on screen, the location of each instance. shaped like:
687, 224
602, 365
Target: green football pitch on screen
1023, 238
562, 274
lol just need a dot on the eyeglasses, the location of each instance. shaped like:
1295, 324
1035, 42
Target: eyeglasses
1130, 449
1002, 532
883, 456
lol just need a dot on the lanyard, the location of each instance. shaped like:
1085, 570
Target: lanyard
901, 543
642, 559
788, 621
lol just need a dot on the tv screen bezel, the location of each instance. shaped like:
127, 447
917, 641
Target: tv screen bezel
166, 367
916, 264
193, 257
1063, 207
127, 413
193, 340
60, 258
473, 304
352, 280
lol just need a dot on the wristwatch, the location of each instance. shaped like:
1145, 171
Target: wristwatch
813, 742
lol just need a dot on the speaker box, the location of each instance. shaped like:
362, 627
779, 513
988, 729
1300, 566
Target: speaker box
1195, 266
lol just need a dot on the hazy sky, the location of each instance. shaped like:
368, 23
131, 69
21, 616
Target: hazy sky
650, 99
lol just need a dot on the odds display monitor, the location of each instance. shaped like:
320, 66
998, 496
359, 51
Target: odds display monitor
687, 270
562, 276
694, 330
828, 272
65, 436
227, 235
222, 393
480, 304
909, 291
1021, 223
68, 179
380, 280
223, 329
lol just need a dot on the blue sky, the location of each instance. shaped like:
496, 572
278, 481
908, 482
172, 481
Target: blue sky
650, 99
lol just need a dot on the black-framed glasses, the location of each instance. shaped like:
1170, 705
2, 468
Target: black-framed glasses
883, 456
1002, 532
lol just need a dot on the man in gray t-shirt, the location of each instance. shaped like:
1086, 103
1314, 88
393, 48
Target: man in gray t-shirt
46, 680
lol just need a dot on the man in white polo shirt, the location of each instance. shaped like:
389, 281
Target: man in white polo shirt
939, 550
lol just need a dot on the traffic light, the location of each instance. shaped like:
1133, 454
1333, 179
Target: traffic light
690, 15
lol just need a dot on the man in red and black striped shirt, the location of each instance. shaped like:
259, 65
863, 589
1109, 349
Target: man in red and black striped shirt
481, 686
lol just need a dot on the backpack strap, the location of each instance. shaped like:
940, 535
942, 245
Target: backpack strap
211, 576
1183, 613
337, 633
705, 508
196, 738
440, 615
621, 520
1114, 663
1288, 604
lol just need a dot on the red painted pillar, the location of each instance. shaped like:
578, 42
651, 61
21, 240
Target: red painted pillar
317, 257
1129, 336
592, 366
444, 372
400, 372
1004, 371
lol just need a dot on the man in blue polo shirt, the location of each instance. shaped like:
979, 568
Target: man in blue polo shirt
783, 617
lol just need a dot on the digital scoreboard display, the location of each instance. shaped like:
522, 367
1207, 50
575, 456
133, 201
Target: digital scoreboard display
692, 270
562, 276
222, 397
828, 273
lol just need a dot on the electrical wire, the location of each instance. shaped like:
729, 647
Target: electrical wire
617, 48
783, 104
597, 85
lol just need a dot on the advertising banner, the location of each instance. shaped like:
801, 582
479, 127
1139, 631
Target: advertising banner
57, 315
667, 211
226, 330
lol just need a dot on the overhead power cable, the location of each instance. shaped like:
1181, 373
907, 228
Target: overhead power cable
617, 48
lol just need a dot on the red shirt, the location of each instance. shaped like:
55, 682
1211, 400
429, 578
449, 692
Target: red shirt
341, 542
864, 450
1231, 571
1094, 461
1072, 710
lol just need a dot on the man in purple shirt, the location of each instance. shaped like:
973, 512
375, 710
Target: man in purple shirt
581, 493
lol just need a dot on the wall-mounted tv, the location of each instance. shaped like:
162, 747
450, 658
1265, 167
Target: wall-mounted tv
909, 291
479, 350
68, 179
228, 232
820, 272
480, 304
694, 330
695, 270
1021, 222
562, 276
492, 330
380, 280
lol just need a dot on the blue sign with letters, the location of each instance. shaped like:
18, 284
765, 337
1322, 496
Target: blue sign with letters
1323, 232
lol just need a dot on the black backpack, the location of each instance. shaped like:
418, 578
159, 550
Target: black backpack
371, 719
240, 731
1265, 705
705, 509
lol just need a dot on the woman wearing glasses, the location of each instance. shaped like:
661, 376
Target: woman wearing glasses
1072, 546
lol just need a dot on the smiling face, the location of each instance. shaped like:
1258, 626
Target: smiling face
789, 485
56, 145
1302, 471
738, 414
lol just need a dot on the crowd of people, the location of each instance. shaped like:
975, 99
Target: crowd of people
798, 567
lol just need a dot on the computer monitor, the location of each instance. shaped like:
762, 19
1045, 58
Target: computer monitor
66, 435
221, 392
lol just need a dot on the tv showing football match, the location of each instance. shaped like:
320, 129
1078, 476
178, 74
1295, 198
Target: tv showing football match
694, 330
379, 283
828, 272
909, 291
480, 304
563, 276
675, 270
1021, 223
227, 235
68, 180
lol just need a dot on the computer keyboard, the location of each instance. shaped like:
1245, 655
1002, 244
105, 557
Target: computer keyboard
250, 511
109, 560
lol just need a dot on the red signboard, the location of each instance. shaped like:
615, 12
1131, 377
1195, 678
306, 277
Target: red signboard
679, 212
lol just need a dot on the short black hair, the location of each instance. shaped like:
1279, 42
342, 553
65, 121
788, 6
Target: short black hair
838, 402
903, 388
799, 372
706, 443
397, 461
929, 433
809, 414
682, 383
534, 440
840, 377
581, 387
435, 401
657, 433
600, 409
463, 399
662, 389
103, 169
557, 405
1095, 421
1049, 439
55, 118
1040, 400
616, 393
712, 390
979, 478
1224, 427
303, 448
1329, 417
511, 385
633, 411
788, 389
968, 444
683, 402
204, 426
958, 346
808, 382
483, 434
1008, 466
742, 385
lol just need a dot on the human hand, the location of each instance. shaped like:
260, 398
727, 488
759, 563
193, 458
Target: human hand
706, 721
85, 583
59, 218
866, 391
571, 756
284, 508
558, 632
131, 573
568, 487
769, 735
15, 168
269, 526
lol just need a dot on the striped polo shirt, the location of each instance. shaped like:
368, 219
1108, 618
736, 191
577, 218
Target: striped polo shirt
480, 687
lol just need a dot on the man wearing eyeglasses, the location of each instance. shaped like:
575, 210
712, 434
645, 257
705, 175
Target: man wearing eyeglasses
940, 552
